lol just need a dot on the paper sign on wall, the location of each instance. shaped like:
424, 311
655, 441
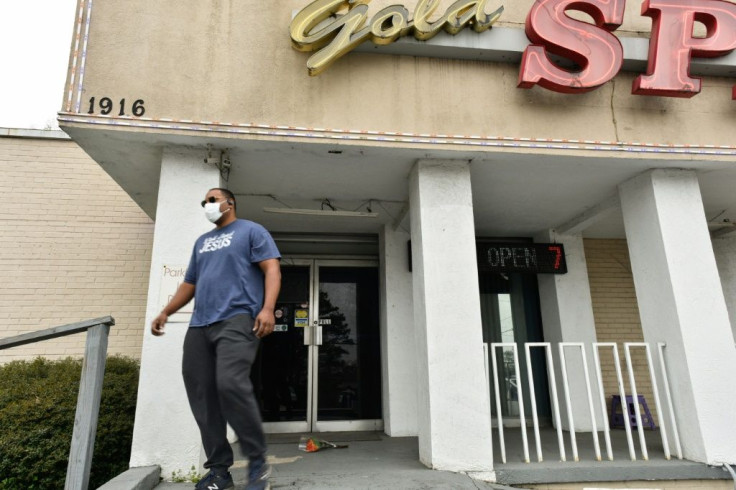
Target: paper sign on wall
171, 278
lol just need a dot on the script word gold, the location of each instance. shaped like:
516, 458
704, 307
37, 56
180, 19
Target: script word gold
318, 27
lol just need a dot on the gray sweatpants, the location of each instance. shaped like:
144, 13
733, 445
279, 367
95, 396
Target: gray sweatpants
216, 368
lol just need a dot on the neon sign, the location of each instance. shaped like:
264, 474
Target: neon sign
591, 47
599, 53
669, 56
332, 28
318, 27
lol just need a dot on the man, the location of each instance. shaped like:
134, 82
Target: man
234, 277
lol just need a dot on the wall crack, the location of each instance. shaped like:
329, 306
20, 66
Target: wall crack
613, 111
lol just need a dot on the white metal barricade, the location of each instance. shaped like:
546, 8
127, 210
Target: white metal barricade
566, 385
668, 394
553, 391
635, 398
622, 394
522, 419
491, 365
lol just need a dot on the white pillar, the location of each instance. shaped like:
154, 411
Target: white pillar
165, 432
454, 405
724, 249
398, 345
681, 303
567, 316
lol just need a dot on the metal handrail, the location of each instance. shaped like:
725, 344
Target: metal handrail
90, 390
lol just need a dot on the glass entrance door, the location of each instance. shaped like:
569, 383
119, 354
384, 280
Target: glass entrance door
510, 314
348, 362
320, 369
281, 373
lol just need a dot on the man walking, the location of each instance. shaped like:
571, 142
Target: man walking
234, 277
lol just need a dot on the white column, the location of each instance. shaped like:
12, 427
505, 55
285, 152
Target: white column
165, 432
398, 345
567, 316
724, 249
454, 405
681, 303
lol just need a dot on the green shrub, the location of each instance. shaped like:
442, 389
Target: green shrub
38, 400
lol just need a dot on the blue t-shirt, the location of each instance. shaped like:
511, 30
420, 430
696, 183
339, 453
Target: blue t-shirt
225, 272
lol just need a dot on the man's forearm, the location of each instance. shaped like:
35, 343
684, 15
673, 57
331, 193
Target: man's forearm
183, 295
272, 286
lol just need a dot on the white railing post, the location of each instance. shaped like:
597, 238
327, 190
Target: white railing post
665, 378
553, 390
520, 398
655, 392
488, 384
602, 391
635, 398
533, 400
555, 398
596, 442
568, 404
519, 394
496, 391
622, 394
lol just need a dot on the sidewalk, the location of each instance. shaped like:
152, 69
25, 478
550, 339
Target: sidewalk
376, 461
379, 463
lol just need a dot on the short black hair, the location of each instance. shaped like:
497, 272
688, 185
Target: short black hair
228, 194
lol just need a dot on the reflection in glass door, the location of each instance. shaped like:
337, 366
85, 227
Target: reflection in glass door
510, 314
281, 372
320, 369
348, 365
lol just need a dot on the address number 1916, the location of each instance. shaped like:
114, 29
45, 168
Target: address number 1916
106, 106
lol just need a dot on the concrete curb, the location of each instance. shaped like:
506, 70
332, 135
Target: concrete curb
143, 478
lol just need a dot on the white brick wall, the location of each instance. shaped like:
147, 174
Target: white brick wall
73, 246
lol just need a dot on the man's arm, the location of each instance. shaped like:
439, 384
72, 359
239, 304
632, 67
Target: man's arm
272, 285
183, 295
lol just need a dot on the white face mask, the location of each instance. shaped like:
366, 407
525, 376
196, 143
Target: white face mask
212, 211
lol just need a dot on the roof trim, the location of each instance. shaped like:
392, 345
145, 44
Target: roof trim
54, 134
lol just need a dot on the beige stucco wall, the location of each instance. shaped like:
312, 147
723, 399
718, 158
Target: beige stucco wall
212, 60
73, 246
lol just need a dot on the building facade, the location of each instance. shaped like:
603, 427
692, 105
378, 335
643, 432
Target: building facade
444, 201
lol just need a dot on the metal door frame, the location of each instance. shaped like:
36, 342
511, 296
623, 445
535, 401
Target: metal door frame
313, 336
334, 425
300, 425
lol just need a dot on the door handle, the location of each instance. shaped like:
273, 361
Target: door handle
317, 333
313, 334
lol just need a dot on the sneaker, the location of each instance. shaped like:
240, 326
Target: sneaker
258, 475
215, 480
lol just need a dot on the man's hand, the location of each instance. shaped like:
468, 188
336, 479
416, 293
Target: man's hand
183, 295
264, 323
158, 324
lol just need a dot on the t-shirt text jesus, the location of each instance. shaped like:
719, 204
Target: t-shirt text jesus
217, 242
